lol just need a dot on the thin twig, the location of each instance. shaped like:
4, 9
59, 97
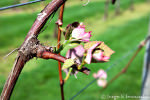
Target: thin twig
10, 53
58, 41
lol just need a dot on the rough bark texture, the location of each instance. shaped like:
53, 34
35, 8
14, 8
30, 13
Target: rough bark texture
12, 79
29, 48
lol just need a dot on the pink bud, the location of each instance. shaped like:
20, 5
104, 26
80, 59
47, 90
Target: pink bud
79, 33
101, 83
100, 74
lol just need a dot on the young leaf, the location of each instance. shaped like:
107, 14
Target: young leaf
68, 63
88, 45
107, 51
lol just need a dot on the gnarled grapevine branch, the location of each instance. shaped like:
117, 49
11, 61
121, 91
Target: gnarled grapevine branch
29, 47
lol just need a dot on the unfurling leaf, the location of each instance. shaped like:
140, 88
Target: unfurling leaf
97, 51
88, 45
107, 51
68, 63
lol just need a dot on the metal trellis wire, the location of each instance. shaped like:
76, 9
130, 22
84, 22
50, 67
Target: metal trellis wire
22, 4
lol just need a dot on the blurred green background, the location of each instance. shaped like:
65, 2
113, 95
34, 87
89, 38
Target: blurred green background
39, 79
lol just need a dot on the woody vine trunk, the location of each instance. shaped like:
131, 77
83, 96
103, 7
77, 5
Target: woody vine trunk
30, 47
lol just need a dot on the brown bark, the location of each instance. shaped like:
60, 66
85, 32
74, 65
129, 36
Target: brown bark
12, 78
43, 17
29, 47
50, 55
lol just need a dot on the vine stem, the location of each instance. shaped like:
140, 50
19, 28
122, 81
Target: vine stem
58, 41
12, 78
50, 55
29, 47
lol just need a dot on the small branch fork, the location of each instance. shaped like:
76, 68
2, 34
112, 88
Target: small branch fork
31, 47
142, 44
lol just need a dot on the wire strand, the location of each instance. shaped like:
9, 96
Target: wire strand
22, 4
53, 14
